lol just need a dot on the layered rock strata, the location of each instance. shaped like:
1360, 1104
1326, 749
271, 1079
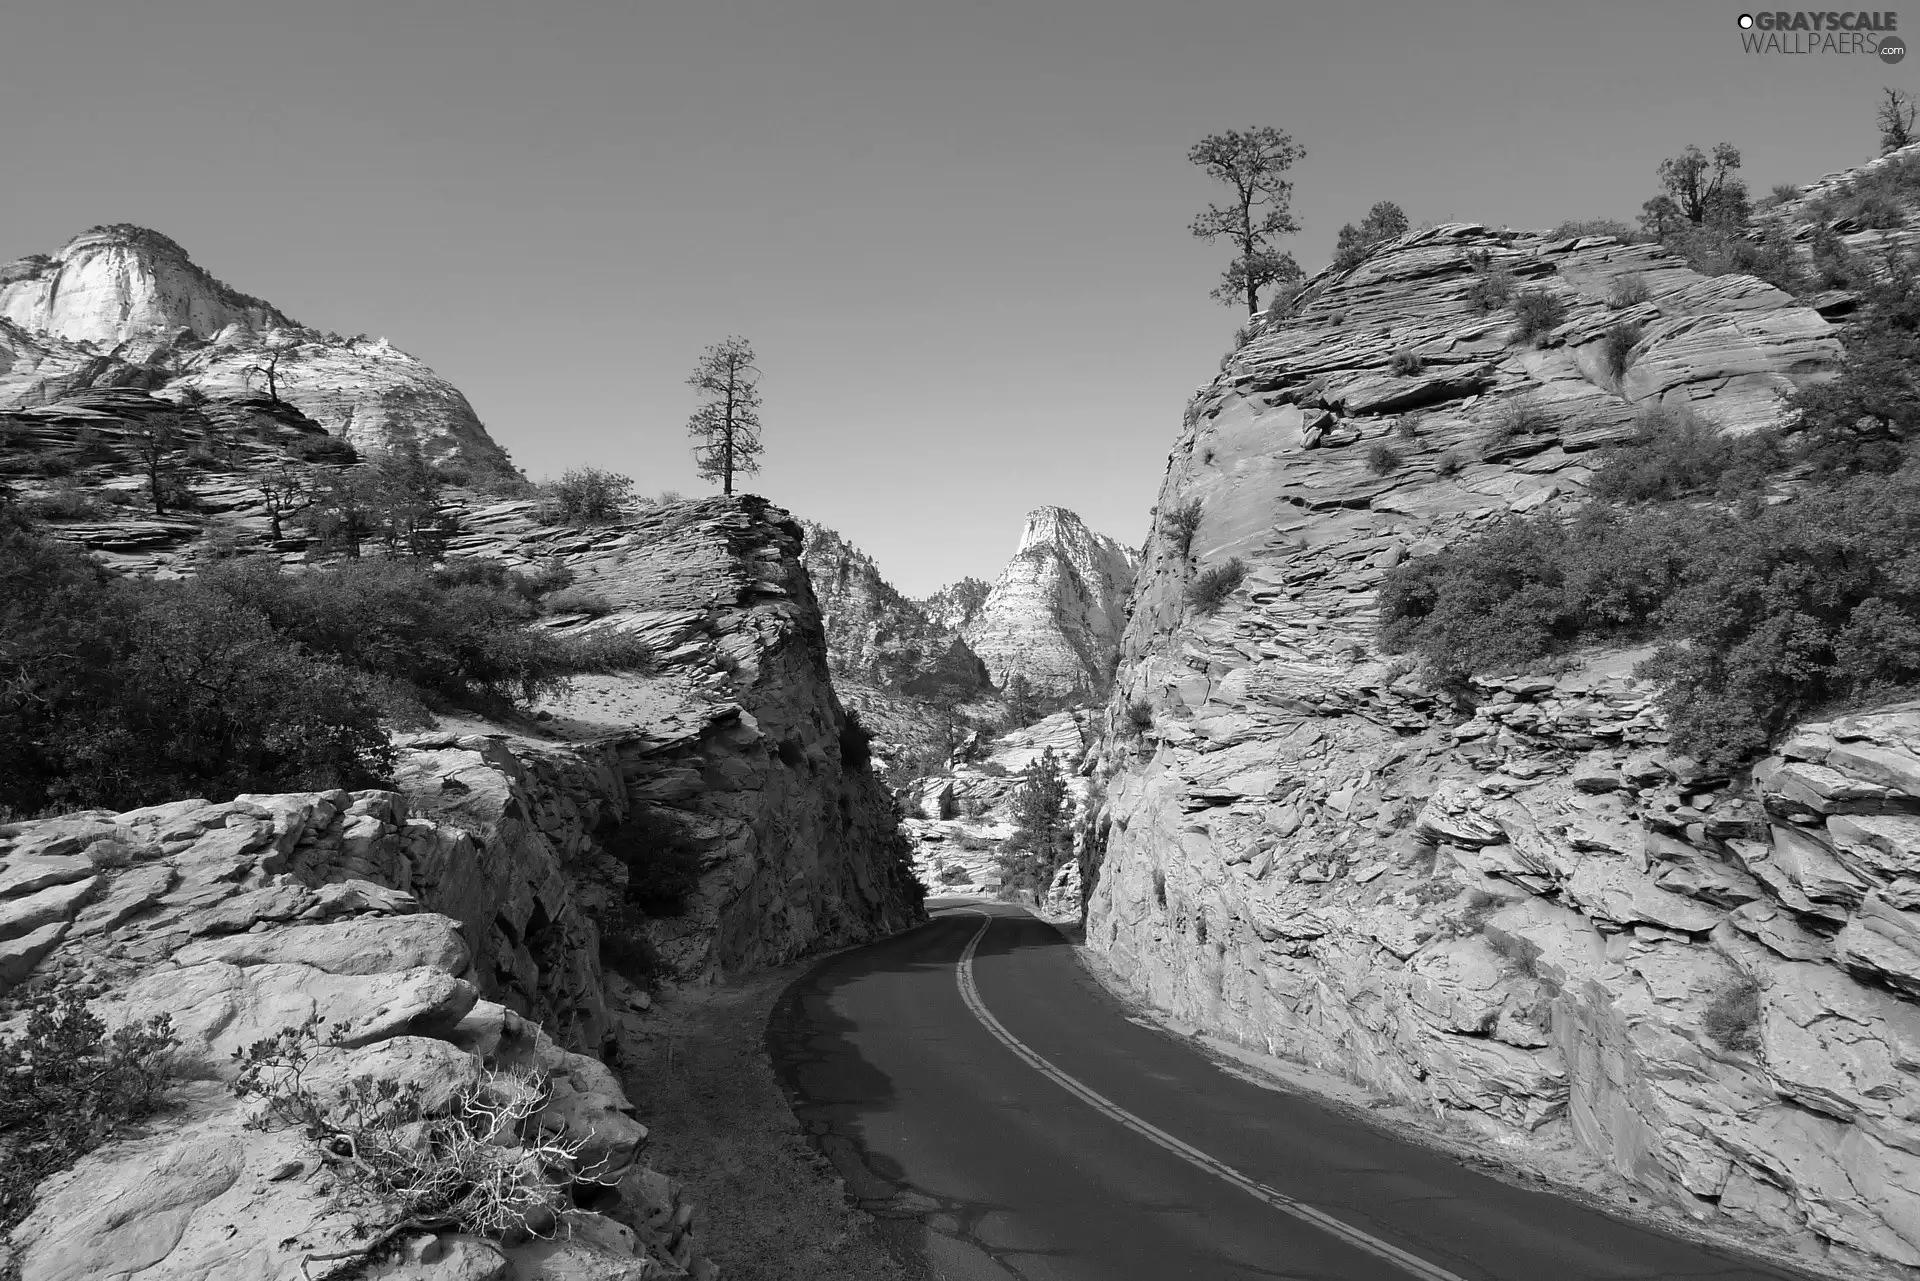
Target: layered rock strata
244, 919
1055, 613
123, 306
1520, 909
877, 636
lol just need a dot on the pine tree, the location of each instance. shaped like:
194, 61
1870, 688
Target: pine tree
1259, 211
728, 424
1042, 839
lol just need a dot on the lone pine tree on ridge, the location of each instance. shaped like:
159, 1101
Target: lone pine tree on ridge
728, 424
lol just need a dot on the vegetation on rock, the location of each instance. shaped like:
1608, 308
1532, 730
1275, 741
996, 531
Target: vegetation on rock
727, 425
1042, 839
1257, 213
586, 496
1383, 222
66, 1087
480, 1164
1210, 590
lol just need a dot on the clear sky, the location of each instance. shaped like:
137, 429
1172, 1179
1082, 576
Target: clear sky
955, 232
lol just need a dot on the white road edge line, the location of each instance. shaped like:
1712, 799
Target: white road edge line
963, 974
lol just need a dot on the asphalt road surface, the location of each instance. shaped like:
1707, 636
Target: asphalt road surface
1005, 1119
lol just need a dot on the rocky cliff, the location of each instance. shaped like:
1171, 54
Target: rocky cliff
1055, 613
456, 922
878, 636
122, 306
1518, 911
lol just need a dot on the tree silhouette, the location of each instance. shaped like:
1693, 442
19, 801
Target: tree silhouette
1895, 119
1697, 189
1383, 222
728, 424
1259, 212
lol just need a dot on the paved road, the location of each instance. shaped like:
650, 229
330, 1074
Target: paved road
985, 1166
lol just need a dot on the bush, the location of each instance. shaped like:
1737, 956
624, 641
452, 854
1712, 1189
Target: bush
1405, 363
1517, 418
459, 641
1629, 290
1537, 314
578, 600
1491, 287
1448, 464
117, 693
66, 1087
1528, 587
1675, 454
1618, 351
330, 451
1181, 524
67, 502
954, 874
588, 496
1407, 428
1625, 233
1140, 713
485, 1166
1478, 911
1384, 221
1874, 199
1383, 459
1207, 593
1732, 1018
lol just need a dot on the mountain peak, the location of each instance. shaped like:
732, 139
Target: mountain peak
118, 282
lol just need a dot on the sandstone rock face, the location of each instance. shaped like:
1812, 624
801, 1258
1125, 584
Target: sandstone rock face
240, 919
122, 306
1522, 909
1055, 613
109, 285
878, 636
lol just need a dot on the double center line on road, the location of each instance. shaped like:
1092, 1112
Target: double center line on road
970, 993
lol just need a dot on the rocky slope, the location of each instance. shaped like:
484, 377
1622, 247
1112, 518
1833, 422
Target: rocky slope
502, 849
123, 306
878, 636
1521, 913
1055, 613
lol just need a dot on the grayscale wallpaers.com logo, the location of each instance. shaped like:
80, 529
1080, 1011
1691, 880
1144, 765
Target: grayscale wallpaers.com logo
1781, 32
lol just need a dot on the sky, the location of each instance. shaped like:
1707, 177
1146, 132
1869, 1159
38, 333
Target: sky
955, 233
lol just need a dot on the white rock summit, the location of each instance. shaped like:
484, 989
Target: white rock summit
1056, 612
123, 306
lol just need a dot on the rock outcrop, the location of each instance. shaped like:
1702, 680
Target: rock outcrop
484, 886
1520, 910
244, 919
1055, 613
878, 636
122, 306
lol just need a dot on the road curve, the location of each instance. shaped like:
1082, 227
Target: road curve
1021, 1126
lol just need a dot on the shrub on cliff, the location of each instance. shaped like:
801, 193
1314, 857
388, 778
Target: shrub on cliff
482, 1165
1732, 1018
1676, 454
459, 640
1629, 290
66, 1086
1491, 287
1764, 614
1208, 592
585, 496
1181, 524
1354, 244
1865, 419
116, 693
1383, 459
1618, 351
1537, 313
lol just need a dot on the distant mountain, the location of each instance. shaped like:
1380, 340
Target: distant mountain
124, 307
1055, 613
879, 636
